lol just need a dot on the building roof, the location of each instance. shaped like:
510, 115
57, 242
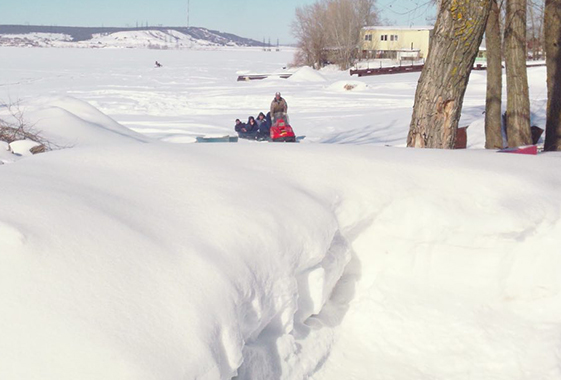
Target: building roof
398, 28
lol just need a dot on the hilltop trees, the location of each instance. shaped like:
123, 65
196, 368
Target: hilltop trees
456, 39
329, 30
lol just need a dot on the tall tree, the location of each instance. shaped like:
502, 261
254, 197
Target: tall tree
345, 19
309, 29
493, 114
552, 24
440, 92
331, 28
518, 99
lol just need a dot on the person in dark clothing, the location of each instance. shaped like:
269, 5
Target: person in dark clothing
251, 125
240, 127
264, 125
246, 131
261, 118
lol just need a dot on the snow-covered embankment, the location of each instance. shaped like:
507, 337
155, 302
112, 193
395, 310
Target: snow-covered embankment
124, 258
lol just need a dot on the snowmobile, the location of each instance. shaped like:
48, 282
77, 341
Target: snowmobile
281, 131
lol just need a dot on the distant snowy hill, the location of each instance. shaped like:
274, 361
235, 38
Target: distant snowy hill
156, 37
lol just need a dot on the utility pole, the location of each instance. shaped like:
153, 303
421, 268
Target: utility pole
188, 5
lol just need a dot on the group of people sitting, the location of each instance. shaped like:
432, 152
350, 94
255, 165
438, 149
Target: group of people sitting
259, 129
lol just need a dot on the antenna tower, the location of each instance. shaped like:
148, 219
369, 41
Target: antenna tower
188, 4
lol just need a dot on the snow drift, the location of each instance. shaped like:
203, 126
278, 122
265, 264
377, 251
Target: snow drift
126, 258
306, 74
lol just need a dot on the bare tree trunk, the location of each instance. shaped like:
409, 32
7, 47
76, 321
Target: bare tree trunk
518, 100
493, 118
440, 92
553, 61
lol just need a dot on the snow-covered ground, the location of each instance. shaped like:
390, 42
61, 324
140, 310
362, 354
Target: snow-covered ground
133, 253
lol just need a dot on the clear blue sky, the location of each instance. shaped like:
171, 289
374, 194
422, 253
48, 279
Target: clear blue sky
255, 19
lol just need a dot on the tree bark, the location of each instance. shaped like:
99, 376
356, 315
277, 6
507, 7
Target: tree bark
553, 61
440, 92
518, 100
493, 118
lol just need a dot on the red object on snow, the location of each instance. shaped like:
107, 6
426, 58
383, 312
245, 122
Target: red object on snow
526, 149
282, 132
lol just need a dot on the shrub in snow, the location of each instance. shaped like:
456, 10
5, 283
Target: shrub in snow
21, 135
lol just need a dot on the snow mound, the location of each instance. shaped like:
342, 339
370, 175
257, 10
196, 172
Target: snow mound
307, 74
67, 121
349, 85
5, 153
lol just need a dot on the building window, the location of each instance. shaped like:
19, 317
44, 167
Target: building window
393, 37
384, 37
368, 37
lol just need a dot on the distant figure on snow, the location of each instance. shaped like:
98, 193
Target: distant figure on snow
279, 107
158, 64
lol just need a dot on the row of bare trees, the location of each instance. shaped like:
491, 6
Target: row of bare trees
329, 31
458, 33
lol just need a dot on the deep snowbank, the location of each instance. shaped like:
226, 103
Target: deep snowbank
128, 259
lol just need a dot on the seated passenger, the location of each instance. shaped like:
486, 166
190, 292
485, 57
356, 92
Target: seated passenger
251, 125
261, 118
264, 125
245, 131
240, 127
